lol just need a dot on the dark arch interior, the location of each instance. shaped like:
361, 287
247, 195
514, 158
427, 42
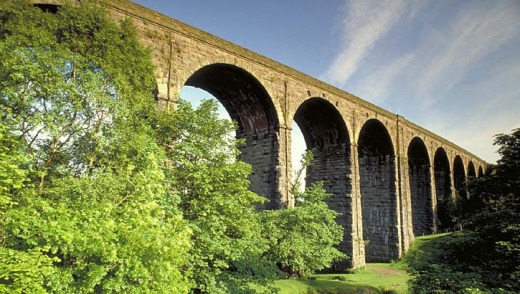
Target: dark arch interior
321, 124
459, 177
377, 176
326, 135
248, 103
443, 190
51, 8
420, 188
245, 99
480, 172
472, 173
374, 140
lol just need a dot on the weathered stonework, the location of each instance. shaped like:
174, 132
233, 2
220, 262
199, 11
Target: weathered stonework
386, 174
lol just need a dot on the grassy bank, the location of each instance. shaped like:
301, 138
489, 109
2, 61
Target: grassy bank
374, 278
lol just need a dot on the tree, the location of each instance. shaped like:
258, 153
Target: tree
494, 216
303, 238
100, 192
93, 213
215, 199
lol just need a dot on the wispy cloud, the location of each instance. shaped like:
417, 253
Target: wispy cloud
378, 84
451, 67
492, 108
365, 23
478, 31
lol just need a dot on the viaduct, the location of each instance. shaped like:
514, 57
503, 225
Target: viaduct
389, 178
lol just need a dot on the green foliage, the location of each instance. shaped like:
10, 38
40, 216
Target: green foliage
376, 278
437, 278
493, 214
303, 238
487, 255
215, 199
437, 262
25, 271
101, 193
86, 209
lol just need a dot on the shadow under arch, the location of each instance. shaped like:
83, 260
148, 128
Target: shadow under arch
442, 175
326, 135
249, 104
420, 188
480, 172
459, 178
472, 172
377, 174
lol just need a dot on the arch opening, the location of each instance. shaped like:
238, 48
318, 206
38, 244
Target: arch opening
326, 135
377, 173
443, 190
298, 149
50, 8
248, 103
459, 178
472, 172
420, 188
480, 172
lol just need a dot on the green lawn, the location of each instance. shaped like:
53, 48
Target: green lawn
375, 278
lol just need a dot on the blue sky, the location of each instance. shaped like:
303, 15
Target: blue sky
452, 67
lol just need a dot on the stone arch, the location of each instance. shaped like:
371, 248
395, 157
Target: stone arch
459, 177
420, 188
249, 104
51, 8
326, 135
377, 174
480, 172
472, 173
322, 124
442, 175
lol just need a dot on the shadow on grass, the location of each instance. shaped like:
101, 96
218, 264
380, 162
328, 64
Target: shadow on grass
338, 287
435, 249
360, 282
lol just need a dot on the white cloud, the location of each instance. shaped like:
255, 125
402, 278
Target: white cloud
365, 23
376, 86
451, 67
478, 31
492, 108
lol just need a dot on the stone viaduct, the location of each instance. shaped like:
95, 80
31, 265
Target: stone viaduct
390, 179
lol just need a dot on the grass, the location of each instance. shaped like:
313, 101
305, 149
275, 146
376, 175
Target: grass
429, 249
374, 278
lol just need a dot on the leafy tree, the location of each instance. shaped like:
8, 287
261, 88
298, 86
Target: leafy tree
101, 193
23, 269
493, 214
303, 238
93, 213
215, 198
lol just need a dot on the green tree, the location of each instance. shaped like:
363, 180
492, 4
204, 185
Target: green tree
214, 195
94, 212
493, 215
303, 238
99, 192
